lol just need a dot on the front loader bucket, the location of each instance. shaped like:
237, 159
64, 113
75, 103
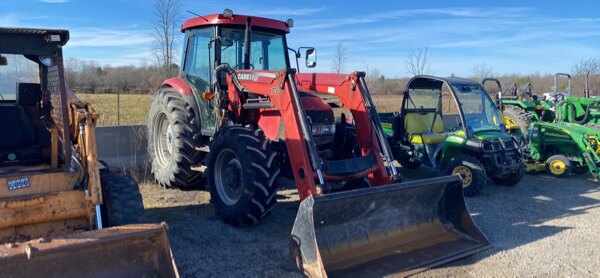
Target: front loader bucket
397, 229
125, 251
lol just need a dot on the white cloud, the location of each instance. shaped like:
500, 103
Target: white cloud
9, 20
492, 12
289, 11
95, 37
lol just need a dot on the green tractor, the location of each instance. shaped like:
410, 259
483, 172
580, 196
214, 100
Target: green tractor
557, 148
453, 126
520, 107
563, 148
583, 111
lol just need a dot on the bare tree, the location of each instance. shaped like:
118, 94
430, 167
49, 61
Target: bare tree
419, 61
585, 65
482, 71
166, 16
339, 58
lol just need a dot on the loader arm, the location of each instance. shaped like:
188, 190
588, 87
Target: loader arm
281, 90
83, 119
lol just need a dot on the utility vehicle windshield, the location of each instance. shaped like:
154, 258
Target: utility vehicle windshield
478, 108
17, 70
267, 50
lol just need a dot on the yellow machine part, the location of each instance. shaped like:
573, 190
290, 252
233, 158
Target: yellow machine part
124, 251
47, 207
510, 124
535, 167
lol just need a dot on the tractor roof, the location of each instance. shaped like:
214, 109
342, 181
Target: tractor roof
460, 81
37, 42
236, 19
428, 81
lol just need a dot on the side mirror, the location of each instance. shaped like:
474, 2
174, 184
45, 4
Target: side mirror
311, 57
3, 61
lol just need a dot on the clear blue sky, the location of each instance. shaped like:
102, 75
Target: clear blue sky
509, 36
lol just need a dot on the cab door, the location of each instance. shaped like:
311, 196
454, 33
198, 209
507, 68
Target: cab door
199, 58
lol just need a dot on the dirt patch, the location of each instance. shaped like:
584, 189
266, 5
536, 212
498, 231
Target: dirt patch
542, 227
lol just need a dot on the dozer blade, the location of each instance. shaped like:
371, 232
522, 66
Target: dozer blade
125, 251
398, 229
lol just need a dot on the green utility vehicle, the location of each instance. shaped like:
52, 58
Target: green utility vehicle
452, 125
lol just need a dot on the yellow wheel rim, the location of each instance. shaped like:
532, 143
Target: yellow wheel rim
465, 174
557, 167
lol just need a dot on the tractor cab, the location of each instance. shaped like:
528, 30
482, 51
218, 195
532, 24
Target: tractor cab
452, 125
217, 43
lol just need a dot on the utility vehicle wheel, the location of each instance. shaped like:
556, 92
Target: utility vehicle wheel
511, 179
122, 201
517, 115
172, 140
559, 166
471, 171
406, 162
241, 173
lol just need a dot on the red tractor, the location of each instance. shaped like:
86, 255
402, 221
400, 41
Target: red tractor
239, 116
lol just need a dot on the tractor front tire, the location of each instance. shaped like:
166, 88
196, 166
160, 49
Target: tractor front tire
559, 166
471, 171
241, 171
122, 201
172, 139
511, 179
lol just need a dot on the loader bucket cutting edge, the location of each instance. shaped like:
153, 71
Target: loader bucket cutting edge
398, 229
141, 250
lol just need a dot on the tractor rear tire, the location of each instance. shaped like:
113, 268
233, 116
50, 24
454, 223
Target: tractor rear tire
511, 179
242, 170
172, 139
516, 115
559, 166
471, 171
122, 201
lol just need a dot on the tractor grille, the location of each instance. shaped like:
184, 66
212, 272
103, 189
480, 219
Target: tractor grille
320, 116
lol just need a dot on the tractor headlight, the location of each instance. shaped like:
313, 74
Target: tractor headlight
323, 129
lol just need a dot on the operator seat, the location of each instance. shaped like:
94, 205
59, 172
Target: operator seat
18, 140
417, 125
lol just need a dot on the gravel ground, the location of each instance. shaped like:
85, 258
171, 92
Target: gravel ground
542, 227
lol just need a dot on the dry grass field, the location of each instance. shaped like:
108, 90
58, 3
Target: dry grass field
133, 107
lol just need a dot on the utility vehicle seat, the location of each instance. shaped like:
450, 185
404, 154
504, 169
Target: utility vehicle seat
417, 125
